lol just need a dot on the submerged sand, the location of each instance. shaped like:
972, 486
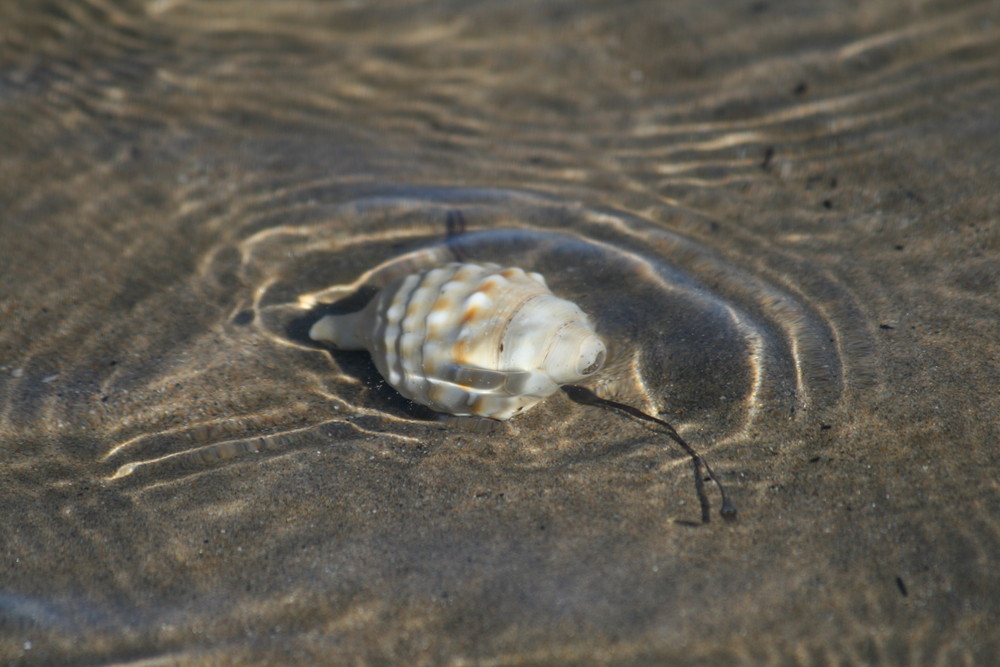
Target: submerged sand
784, 219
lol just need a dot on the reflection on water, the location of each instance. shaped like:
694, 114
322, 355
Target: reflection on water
781, 218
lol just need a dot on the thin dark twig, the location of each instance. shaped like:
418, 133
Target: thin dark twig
587, 397
455, 227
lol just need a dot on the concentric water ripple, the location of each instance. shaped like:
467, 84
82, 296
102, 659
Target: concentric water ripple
692, 336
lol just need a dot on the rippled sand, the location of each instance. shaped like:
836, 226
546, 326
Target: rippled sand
782, 216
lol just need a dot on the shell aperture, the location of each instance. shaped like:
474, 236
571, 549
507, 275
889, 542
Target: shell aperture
471, 339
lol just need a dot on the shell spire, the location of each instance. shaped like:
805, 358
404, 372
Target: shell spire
341, 331
471, 339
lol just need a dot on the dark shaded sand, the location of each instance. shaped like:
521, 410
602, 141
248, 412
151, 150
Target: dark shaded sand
783, 217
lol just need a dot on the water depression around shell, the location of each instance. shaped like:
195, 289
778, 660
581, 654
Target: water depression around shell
693, 336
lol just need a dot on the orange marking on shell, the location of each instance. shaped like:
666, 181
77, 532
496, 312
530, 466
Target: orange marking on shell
443, 304
490, 286
411, 309
435, 393
470, 314
478, 406
510, 273
461, 351
465, 273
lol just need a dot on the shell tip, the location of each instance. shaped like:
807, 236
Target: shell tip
337, 330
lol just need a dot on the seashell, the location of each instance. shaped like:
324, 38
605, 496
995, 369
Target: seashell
471, 339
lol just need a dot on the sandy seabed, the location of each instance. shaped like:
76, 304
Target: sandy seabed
783, 218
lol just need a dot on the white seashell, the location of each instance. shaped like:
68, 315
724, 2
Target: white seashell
471, 339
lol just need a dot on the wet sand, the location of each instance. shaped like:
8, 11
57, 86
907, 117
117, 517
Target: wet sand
783, 218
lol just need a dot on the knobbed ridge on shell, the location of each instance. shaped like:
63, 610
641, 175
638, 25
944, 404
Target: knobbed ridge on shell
471, 339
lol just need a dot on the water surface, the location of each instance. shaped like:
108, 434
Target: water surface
782, 217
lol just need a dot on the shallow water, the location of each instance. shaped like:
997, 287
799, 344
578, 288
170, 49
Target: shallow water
782, 217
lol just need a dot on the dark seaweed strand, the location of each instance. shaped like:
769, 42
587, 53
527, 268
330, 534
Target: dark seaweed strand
587, 397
